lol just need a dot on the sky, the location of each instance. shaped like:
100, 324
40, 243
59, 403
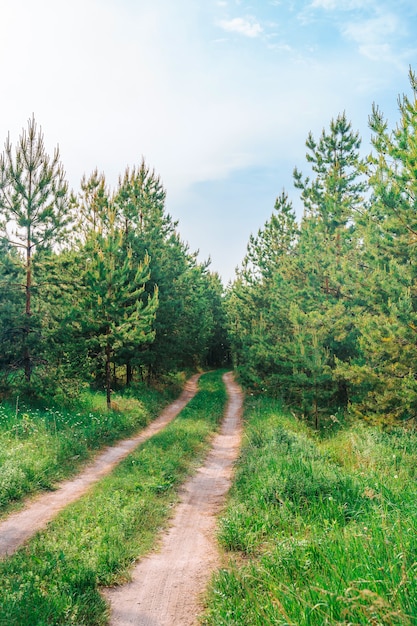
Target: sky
218, 96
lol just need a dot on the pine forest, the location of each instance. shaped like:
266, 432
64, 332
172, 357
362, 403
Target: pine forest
107, 315
98, 287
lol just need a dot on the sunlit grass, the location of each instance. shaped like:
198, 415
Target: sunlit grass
56, 578
39, 447
318, 530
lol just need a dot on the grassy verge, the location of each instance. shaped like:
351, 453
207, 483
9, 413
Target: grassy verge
55, 579
318, 531
39, 447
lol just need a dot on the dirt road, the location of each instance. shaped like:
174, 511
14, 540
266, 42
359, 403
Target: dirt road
166, 586
19, 527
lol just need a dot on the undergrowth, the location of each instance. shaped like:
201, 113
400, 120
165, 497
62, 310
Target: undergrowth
318, 530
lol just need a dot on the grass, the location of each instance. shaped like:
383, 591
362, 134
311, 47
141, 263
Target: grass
55, 579
39, 447
318, 530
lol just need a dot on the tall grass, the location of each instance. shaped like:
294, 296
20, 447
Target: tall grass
56, 578
40, 446
318, 531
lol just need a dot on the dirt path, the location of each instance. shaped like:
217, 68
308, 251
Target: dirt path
166, 586
19, 527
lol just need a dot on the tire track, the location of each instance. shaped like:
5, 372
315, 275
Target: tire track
20, 526
166, 585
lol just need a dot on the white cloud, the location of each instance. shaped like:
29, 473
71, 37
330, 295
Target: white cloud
281, 47
112, 80
378, 32
341, 5
248, 27
375, 36
373, 30
324, 4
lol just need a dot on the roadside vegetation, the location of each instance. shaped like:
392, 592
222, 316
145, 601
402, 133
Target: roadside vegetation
41, 446
55, 579
97, 287
323, 311
99, 297
319, 529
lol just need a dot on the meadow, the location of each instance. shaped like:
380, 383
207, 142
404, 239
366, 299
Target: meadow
55, 579
319, 529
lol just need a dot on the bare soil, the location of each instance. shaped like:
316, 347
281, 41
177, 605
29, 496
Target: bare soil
167, 586
20, 526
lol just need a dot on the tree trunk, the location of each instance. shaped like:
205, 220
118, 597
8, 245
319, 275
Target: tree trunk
129, 373
149, 375
316, 412
28, 311
108, 375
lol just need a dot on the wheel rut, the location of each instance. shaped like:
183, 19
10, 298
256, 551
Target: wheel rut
18, 527
166, 586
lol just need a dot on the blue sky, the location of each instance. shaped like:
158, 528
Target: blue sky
217, 95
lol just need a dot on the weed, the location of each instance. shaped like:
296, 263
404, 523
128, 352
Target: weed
55, 579
39, 447
319, 530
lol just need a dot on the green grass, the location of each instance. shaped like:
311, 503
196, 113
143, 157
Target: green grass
318, 530
56, 578
39, 447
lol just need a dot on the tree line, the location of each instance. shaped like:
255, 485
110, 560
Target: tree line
323, 311
96, 286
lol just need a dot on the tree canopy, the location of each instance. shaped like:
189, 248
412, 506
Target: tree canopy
323, 312
123, 300
98, 287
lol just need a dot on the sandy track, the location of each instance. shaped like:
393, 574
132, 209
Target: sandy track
19, 527
166, 586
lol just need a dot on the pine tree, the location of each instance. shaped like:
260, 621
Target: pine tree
113, 314
11, 310
92, 204
140, 203
383, 376
332, 199
184, 318
289, 311
327, 246
33, 214
218, 353
258, 304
